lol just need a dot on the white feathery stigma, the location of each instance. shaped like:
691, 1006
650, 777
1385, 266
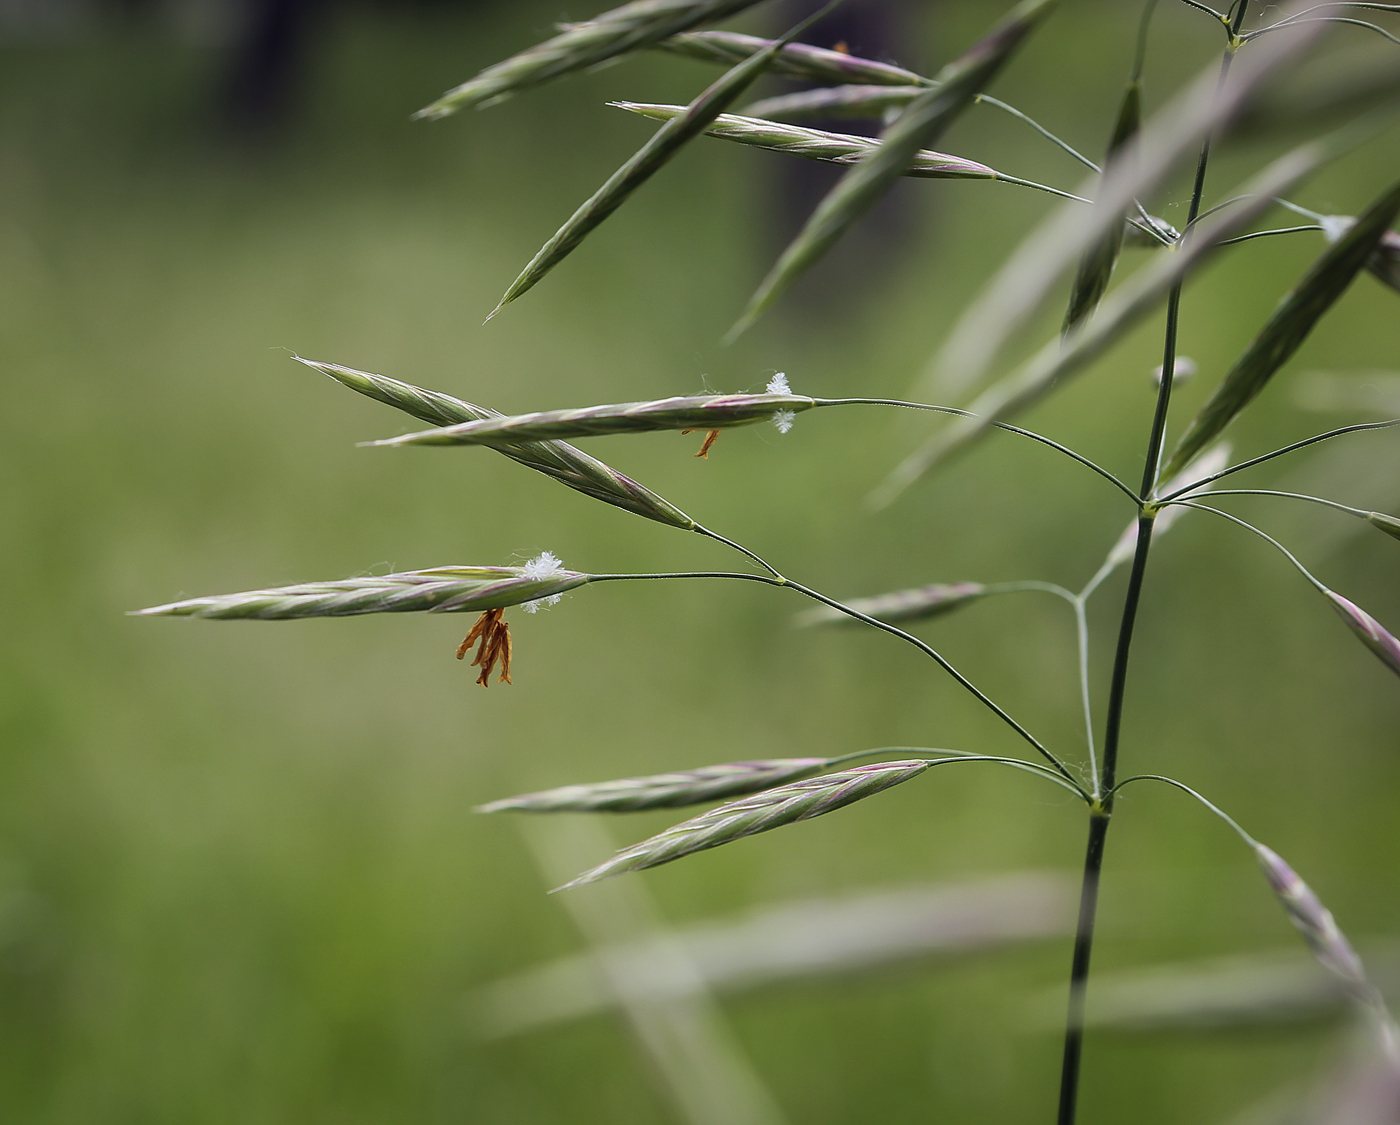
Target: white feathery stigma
783, 420
778, 385
542, 566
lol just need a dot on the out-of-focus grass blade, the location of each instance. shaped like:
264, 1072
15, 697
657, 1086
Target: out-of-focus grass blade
796, 60
1096, 267
1289, 326
613, 33
1126, 306
818, 144
802, 940
668, 140
1035, 267
921, 123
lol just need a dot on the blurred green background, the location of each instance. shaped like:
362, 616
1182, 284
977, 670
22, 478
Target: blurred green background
239, 876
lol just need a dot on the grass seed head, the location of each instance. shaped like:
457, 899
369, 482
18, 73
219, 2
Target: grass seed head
796, 60
845, 149
664, 790
443, 589
1315, 922
558, 460
1372, 633
760, 812
693, 412
901, 605
1389, 524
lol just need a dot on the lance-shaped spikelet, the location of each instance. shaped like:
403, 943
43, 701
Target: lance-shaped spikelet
761, 812
901, 605
818, 144
581, 45
694, 412
797, 60
563, 462
1373, 634
836, 101
1389, 524
1315, 922
664, 790
443, 589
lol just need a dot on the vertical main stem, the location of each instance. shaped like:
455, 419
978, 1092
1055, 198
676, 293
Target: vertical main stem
1102, 809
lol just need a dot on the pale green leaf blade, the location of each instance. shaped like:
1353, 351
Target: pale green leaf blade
1060, 359
1296, 316
921, 123
647, 161
1096, 266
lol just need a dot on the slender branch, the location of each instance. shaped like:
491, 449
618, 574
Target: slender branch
883, 626
1002, 177
1202, 7
1068, 452
740, 548
1280, 452
1039, 128
1226, 817
1262, 535
1265, 234
1295, 21
1017, 763
1291, 496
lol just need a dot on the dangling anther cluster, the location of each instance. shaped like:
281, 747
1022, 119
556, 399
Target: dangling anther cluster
493, 634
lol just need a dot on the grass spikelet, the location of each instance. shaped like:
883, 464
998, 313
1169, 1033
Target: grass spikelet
901, 605
818, 144
921, 123
836, 101
1373, 634
568, 465
761, 812
796, 60
1315, 922
693, 412
1389, 524
664, 790
1096, 266
646, 162
581, 45
443, 589
1052, 366
1289, 326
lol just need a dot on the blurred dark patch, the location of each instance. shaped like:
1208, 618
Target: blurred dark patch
880, 30
269, 61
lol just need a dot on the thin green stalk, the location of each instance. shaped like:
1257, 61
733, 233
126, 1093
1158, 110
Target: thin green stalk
1266, 234
1066, 450
1103, 806
883, 626
1279, 453
1291, 496
1304, 571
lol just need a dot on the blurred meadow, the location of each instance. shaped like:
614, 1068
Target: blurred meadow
240, 878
